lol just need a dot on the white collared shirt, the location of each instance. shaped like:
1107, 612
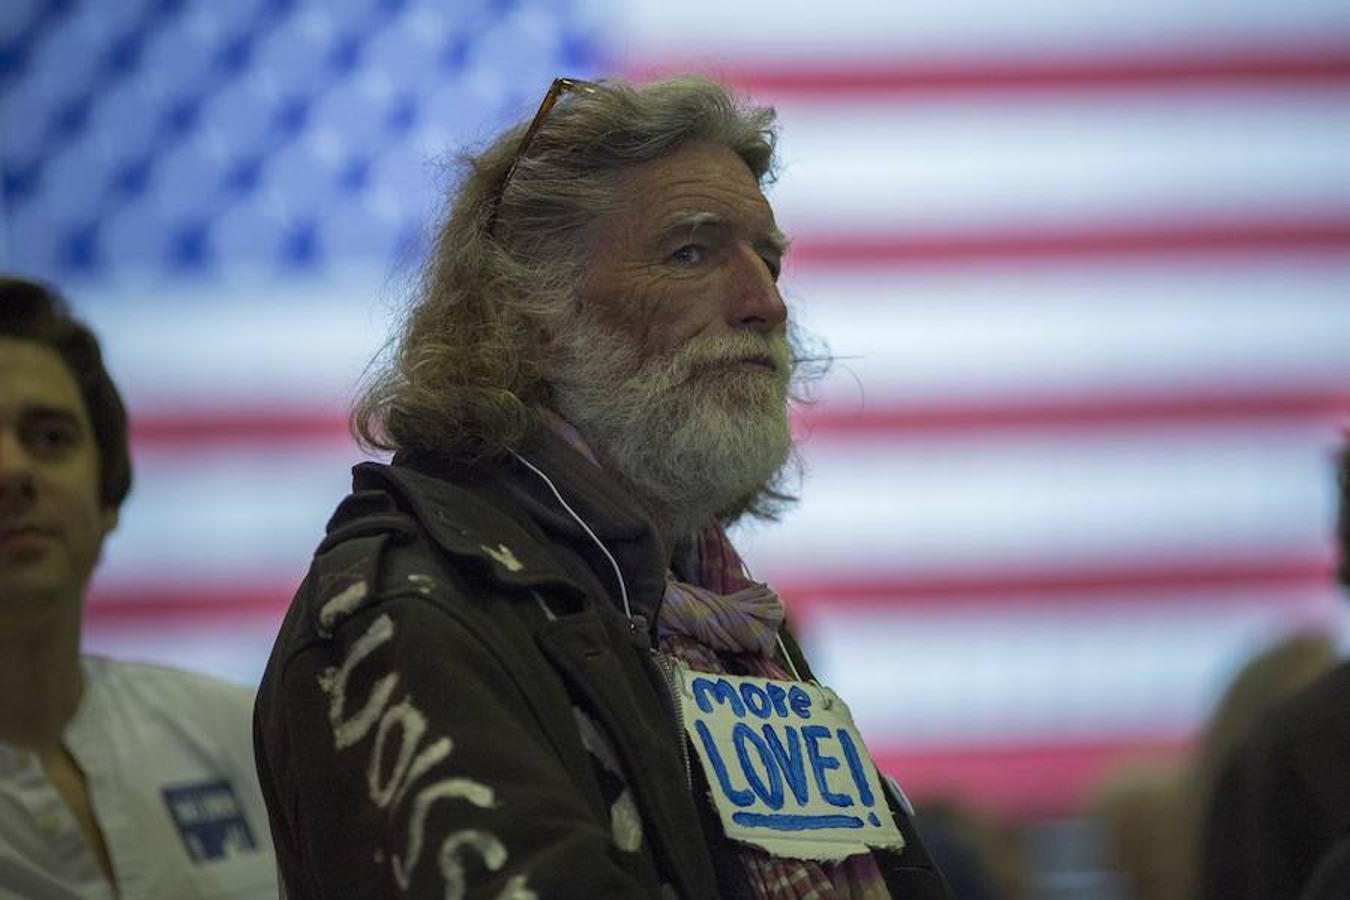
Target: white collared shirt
168, 759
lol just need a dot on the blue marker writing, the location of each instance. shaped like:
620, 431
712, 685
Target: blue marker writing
855, 767
722, 690
738, 797
781, 822
756, 700
821, 763
789, 759
800, 701
772, 793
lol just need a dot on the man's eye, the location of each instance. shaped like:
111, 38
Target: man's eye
689, 255
49, 440
774, 265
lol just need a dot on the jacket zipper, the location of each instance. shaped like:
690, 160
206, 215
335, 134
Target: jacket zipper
677, 704
642, 637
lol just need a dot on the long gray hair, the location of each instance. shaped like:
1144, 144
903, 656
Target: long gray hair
466, 370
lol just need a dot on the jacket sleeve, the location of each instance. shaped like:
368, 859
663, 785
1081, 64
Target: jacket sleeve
401, 760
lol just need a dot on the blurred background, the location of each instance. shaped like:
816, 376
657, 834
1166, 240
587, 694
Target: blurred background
1085, 266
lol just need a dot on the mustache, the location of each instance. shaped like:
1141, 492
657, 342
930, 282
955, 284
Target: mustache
769, 349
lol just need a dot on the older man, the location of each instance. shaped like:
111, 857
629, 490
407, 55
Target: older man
526, 661
116, 779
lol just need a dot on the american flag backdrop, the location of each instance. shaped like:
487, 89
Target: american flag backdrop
1084, 267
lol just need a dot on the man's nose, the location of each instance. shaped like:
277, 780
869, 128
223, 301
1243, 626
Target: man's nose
17, 487
755, 301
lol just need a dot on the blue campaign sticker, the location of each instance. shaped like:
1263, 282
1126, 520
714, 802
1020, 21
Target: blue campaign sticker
786, 767
210, 820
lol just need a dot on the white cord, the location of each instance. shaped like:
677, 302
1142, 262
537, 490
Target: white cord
618, 574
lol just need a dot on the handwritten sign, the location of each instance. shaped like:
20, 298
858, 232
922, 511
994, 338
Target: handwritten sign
786, 767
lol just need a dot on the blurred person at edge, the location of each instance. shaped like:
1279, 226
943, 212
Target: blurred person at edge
1278, 825
982, 859
116, 779
474, 693
1152, 810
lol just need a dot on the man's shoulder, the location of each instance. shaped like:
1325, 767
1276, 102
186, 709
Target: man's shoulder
404, 537
460, 510
1329, 694
1318, 712
159, 686
1308, 732
430, 495
165, 713
402, 527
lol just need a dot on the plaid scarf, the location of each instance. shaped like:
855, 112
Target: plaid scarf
723, 622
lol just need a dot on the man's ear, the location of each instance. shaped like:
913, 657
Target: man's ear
109, 519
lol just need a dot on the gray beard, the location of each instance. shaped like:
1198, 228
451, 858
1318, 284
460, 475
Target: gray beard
690, 435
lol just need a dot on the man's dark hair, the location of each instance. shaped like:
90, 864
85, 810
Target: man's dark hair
34, 312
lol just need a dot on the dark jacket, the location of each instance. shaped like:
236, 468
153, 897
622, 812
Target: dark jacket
415, 728
1282, 802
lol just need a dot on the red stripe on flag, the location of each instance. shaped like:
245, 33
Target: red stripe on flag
177, 602
1205, 67
1265, 407
1324, 234
1172, 583
1021, 781
221, 428
1168, 584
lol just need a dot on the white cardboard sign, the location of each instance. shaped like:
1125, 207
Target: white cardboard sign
786, 767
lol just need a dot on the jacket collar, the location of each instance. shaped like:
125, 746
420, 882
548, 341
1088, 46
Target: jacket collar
511, 502
460, 521
608, 511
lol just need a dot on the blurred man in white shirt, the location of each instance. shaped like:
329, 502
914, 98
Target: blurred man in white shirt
116, 779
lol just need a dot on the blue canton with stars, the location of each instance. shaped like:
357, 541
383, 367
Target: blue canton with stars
190, 136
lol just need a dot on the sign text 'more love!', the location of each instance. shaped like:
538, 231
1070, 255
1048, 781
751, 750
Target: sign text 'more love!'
786, 767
